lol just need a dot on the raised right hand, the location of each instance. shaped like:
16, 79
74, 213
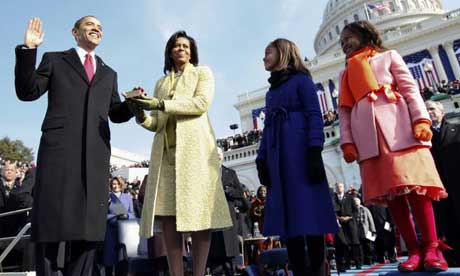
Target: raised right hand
34, 33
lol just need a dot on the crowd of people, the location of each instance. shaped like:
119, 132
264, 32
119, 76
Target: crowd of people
143, 164
447, 87
16, 185
245, 139
367, 233
329, 117
251, 137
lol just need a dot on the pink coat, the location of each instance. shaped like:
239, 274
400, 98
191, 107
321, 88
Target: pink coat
395, 120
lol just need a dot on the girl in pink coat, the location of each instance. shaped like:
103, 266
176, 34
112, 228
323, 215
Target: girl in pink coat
385, 126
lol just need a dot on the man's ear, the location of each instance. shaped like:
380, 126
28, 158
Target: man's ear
74, 32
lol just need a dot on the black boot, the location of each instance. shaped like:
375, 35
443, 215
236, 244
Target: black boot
317, 255
297, 255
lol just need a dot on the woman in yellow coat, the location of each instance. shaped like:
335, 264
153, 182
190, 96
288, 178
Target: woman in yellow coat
184, 189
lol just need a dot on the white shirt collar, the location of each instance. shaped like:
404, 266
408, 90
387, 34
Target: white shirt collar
82, 55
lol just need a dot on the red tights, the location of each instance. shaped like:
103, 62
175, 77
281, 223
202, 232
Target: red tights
422, 209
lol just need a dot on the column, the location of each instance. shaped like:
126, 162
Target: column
327, 93
449, 47
398, 6
336, 83
437, 62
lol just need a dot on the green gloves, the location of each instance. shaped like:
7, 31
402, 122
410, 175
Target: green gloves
136, 110
147, 103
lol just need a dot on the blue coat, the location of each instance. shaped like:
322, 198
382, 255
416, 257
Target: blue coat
293, 123
111, 234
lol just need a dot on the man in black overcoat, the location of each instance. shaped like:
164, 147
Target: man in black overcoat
446, 154
386, 239
346, 240
70, 193
225, 244
9, 188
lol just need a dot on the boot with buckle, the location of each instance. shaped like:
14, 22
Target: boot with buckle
433, 260
413, 263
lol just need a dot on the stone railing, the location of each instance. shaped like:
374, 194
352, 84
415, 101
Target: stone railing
241, 153
249, 96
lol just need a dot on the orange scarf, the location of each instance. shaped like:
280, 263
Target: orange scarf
358, 79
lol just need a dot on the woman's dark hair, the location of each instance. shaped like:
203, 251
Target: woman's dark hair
169, 62
260, 189
368, 34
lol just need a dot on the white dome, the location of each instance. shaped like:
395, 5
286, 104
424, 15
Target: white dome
385, 14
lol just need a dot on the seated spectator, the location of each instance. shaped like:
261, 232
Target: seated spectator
256, 212
120, 208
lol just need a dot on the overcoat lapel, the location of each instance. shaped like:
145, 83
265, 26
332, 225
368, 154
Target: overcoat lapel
101, 71
72, 58
443, 132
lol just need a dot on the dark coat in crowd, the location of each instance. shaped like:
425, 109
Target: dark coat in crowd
225, 243
242, 217
446, 154
10, 225
70, 196
386, 239
348, 234
293, 123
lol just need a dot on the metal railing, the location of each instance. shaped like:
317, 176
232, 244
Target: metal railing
15, 212
14, 240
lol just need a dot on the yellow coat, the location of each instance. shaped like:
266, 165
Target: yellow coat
200, 199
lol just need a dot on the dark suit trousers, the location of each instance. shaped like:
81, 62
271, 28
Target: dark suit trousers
75, 258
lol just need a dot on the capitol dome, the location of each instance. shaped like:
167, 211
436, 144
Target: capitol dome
387, 15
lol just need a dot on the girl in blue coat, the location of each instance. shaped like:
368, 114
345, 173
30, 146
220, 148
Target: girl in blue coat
298, 207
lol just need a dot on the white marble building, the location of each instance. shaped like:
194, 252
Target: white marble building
425, 35
123, 158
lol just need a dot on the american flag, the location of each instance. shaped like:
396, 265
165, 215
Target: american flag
415, 63
379, 7
258, 116
322, 98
